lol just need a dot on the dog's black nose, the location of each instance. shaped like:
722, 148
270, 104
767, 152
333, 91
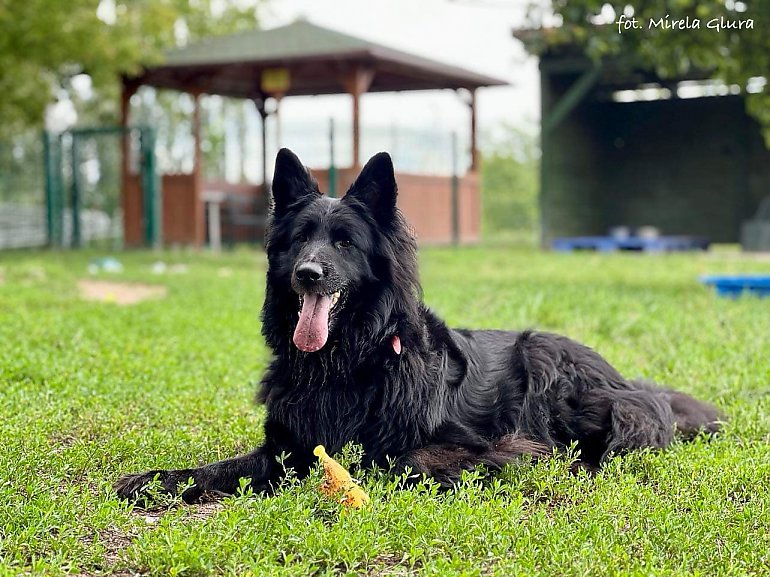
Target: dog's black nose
309, 272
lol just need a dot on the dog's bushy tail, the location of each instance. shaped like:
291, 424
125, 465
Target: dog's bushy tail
692, 416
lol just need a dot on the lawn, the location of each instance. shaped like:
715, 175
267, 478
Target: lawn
91, 390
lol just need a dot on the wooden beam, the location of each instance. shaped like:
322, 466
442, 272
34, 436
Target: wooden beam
356, 130
474, 138
132, 225
199, 224
277, 115
260, 104
356, 83
125, 111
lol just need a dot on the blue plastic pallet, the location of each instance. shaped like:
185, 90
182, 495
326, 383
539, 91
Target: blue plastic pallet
736, 285
635, 243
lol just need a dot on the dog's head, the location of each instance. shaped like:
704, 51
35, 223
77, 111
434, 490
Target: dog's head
324, 253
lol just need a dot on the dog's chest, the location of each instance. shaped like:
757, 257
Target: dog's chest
330, 414
334, 412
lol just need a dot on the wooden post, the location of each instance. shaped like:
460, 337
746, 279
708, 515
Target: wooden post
260, 102
356, 83
332, 166
474, 143
199, 222
277, 115
356, 129
455, 209
132, 219
125, 110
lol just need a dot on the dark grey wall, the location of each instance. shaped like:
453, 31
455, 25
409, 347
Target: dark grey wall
694, 166
570, 162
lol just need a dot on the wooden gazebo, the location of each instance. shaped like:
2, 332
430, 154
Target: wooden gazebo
301, 59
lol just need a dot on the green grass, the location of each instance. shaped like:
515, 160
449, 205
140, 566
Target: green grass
89, 391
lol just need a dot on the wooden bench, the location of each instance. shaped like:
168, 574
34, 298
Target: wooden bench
244, 218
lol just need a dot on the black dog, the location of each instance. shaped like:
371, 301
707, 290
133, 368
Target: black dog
358, 357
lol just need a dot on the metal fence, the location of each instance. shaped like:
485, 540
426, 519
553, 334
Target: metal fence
23, 222
83, 188
64, 190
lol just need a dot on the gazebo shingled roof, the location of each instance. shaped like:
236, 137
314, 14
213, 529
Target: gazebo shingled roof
315, 57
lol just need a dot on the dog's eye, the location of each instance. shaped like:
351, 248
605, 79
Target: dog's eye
343, 243
301, 237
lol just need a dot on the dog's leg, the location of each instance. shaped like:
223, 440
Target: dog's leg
446, 463
262, 466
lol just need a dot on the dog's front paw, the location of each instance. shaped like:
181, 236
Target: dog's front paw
155, 487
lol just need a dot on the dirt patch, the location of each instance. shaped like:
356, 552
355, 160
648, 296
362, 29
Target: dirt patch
209, 505
118, 292
114, 541
388, 565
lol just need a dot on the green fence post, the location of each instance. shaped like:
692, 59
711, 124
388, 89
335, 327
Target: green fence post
49, 192
58, 188
52, 146
76, 238
150, 189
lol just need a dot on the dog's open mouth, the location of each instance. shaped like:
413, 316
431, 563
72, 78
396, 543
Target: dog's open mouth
313, 326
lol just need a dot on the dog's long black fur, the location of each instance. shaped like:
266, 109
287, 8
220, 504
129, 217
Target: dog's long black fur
383, 371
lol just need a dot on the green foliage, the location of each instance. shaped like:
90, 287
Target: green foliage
89, 391
509, 172
43, 45
729, 54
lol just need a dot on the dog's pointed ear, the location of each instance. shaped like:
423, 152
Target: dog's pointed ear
376, 187
291, 181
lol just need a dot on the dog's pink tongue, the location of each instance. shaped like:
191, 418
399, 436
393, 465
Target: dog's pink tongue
313, 326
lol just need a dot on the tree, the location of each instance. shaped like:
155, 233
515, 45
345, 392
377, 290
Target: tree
509, 171
728, 39
44, 44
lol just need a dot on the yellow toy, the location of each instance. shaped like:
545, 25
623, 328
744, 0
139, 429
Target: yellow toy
337, 480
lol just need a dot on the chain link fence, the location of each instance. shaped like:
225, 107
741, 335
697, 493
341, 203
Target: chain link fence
64, 190
23, 222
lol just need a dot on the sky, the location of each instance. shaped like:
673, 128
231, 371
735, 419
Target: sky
473, 34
